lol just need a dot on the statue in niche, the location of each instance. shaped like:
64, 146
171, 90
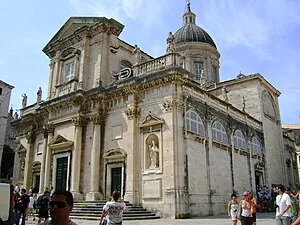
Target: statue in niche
39, 95
24, 100
22, 167
243, 103
154, 155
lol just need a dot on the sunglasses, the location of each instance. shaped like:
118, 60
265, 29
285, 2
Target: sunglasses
58, 204
246, 195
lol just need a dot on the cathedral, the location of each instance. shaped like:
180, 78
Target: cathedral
165, 131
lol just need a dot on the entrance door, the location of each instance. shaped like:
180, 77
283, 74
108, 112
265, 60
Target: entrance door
37, 182
116, 179
61, 173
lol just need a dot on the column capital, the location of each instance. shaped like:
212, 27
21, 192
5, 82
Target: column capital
133, 112
30, 136
47, 129
79, 121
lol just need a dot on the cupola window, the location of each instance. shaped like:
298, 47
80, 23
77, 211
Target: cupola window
198, 66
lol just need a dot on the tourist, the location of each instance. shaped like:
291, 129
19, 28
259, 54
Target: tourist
113, 210
245, 209
254, 204
283, 204
30, 210
294, 205
43, 205
232, 208
60, 208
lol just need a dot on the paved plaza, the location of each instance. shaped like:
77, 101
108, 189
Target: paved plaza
262, 219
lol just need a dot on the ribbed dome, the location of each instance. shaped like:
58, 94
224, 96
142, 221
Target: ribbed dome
190, 32
193, 33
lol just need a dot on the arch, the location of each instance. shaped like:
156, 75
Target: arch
269, 105
219, 133
115, 153
194, 123
255, 146
125, 64
239, 140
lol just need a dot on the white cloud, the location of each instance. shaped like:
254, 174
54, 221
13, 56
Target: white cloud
250, 23
146, 12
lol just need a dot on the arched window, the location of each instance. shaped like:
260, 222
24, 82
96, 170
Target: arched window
239, 140
268, 105
219, 133
255, 145
194, 123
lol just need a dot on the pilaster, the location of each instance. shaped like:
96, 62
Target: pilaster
94, 193
79, 122
47, 154
28, 162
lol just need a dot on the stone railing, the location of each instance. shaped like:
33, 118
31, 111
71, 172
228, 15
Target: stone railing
65, 88
29, 109
163, 62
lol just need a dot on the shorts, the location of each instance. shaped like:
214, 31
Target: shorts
43, 213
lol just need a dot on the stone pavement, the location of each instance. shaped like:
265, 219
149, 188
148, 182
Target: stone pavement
262, 219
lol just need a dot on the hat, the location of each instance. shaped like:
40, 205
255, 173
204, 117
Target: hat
246, 193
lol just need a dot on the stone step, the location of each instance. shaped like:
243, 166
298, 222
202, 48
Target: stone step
92, 211
124, 218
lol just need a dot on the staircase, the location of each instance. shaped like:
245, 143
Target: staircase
92, 211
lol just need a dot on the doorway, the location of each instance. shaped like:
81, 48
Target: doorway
61, 174
116, 179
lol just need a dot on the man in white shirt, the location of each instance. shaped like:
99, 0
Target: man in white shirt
283, 204
113, 210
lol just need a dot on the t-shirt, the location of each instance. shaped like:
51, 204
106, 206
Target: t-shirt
49, 223
114, 211
283, 201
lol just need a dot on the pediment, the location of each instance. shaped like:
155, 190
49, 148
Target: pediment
59, 142
72, 25
115, 154
151, 119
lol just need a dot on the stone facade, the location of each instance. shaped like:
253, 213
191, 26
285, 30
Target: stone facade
5, 93
116, 118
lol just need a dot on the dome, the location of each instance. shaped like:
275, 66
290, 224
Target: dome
193, 33
190, 32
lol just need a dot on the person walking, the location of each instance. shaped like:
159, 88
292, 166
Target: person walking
254, 204
294, 205
113, 210
61, 206
43, 206
232, 208
30, 210
245, 209
23, 203
283, 204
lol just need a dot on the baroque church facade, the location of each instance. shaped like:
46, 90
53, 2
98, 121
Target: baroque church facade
163, 131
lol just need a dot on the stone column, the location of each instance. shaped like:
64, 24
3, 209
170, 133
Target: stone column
94, 193
232, 161
28, 160
76, 158
48, 155
208, 146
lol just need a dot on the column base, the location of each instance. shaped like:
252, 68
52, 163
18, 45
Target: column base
93, 196
129, 196
77, 196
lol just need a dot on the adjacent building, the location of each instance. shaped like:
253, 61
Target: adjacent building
164, 131
5, 93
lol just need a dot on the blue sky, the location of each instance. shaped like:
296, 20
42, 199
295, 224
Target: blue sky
251, 35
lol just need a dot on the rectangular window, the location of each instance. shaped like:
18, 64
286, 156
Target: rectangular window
69, 71
0, 91
198, 66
